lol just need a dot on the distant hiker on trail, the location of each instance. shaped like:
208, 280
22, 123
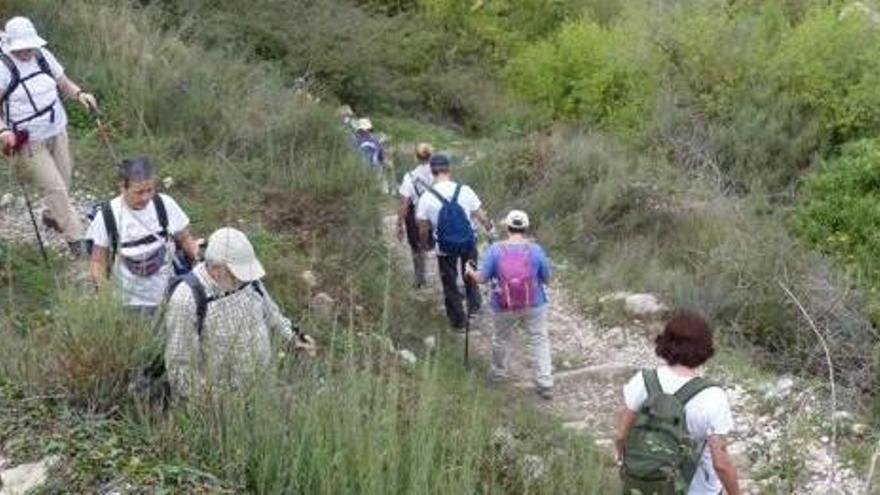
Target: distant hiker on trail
135, 237
371, 149
415, 183
449, 209
34, 122
671, 409
518, 269
219, 318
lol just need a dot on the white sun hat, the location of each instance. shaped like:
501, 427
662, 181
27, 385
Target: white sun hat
232, 248
21, 35
517, 219
363, 124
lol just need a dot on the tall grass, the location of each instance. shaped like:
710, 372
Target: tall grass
357, 421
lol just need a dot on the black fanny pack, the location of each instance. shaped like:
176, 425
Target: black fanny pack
147, 265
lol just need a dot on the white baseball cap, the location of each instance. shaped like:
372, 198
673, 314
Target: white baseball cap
517, 219
21, 35
232, 248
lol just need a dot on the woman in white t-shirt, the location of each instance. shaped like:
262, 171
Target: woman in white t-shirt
33, 124
686, 344
140, 249
414, 184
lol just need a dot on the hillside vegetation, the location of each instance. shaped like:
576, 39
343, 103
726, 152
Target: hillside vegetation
244, 148
709, 151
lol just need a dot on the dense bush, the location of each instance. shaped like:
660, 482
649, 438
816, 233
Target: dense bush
840, 212
582, 72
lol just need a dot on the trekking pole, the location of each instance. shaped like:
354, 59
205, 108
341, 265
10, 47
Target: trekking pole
467, 331
103, 133
30, 209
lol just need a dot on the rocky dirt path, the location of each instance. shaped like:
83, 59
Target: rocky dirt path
782, 440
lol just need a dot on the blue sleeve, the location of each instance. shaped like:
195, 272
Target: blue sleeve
489, 265
544, 269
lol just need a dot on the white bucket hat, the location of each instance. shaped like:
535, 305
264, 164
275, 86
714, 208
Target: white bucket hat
21, 35
517, 219
363, 124
232, 248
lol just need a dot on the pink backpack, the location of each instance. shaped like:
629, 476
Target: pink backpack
515, 285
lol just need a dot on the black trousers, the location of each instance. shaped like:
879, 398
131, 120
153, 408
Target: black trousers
451, 268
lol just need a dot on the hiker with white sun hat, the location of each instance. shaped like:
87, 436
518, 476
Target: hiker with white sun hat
33, 123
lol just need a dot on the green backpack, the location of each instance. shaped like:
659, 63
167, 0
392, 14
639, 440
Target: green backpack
661, 457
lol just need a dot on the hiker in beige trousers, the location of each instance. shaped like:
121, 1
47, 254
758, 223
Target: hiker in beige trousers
34, 123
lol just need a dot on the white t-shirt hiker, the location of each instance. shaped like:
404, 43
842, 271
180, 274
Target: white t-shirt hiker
133, 225
44, 91
408, 186
708, 413
429, 205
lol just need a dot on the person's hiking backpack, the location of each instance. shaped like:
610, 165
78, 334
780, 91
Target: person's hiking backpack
152, 383
455, 234
660, 456
15, 79
200, 296
515, 286
180, 263
412, 226
371, 151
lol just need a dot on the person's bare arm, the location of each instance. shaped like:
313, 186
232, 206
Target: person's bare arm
189, 244
481, 217
424, 232
723, 465
402, 210
74, 92
98, 265
625, 421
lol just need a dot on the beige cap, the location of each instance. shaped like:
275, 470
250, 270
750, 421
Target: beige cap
21, 35
232, 248
517, 219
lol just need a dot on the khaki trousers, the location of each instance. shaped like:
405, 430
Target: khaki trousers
47, 165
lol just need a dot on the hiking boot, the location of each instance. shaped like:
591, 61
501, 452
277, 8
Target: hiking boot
458, 330
545, 393
49, 222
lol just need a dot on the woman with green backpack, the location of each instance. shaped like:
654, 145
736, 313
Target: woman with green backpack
671, 435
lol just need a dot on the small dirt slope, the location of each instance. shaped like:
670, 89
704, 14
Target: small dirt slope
781, 442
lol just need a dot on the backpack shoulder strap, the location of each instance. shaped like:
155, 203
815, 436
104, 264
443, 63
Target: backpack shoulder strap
15, 75
43, 64
110, 227
652, 383
161, 214
198, 292
433, 191
258, 288
417, 181
455, 194
690, 389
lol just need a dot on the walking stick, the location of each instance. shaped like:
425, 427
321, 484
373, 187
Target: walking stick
30, 208
103, 133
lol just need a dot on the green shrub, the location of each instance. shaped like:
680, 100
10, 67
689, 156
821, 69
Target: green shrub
839, 213
583, 71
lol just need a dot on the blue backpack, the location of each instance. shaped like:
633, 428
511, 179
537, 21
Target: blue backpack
455, 235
